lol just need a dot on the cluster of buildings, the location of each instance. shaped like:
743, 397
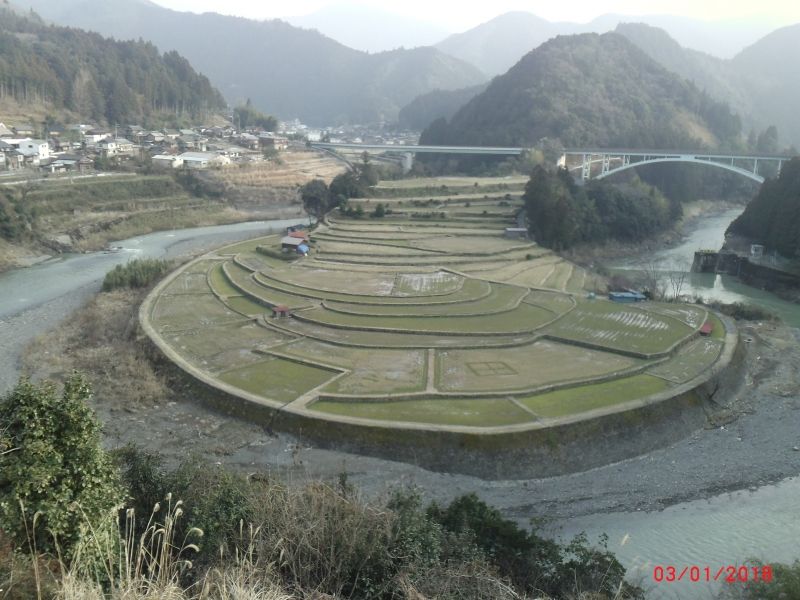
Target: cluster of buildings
77, 147
351, 134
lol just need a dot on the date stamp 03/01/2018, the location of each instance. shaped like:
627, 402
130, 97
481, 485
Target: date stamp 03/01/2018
725, 573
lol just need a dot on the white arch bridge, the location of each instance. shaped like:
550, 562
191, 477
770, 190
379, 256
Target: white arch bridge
585, 163
599, 163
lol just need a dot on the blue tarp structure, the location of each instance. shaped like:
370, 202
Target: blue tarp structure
303, 249
626, 297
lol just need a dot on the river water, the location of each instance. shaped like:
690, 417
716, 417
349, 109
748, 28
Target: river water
762, 524
24, 289
723, 530
34, 300
708, 233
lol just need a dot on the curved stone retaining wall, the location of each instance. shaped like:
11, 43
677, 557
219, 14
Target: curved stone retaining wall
557, 447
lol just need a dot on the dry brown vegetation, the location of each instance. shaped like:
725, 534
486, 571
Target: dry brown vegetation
101, 340
311, 543
293, 168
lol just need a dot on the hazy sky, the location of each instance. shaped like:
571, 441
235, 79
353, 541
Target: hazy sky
463, 14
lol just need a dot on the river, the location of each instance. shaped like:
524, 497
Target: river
35, 299
716, 532
709, 233
724, 530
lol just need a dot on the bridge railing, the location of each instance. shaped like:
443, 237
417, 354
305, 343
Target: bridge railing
612, 161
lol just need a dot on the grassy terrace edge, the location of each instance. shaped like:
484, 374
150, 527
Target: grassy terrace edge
548, 446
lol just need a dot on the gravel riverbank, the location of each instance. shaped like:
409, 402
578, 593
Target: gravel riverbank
755, 447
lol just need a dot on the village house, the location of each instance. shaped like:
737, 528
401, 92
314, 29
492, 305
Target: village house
203, 160
135, 133
11, 157
248, 140
272, 141
154, 137
294, 244
116, 147
33, 151
156, 149
62, 163
193, 142
93, 136
219, 132
167, 161
23, 131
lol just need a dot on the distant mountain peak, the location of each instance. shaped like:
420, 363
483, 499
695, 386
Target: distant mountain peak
587, 89
370, 28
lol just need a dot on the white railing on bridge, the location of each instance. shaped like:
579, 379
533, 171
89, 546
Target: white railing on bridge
414, 149
612, 161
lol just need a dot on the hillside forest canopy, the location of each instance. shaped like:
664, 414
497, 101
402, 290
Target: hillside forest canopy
561, 214
773, 216
98, 78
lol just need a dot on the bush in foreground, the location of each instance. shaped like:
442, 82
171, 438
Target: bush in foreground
782, 582
198, 531
56, 481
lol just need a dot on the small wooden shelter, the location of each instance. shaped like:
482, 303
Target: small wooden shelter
281, 311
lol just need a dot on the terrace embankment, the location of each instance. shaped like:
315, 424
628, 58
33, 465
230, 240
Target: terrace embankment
431, 338
87, 212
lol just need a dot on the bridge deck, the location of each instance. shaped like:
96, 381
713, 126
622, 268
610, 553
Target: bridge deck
418, 149
669, 153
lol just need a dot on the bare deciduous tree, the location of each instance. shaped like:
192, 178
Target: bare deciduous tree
653, 280
677, 278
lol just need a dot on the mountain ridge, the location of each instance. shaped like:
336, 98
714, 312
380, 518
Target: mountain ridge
758, 83
496, 45
94, 77
316, 78
558, 92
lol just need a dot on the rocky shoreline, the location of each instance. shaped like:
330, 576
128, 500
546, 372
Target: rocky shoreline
598, 255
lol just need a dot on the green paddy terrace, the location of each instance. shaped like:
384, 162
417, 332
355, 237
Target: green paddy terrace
417, 321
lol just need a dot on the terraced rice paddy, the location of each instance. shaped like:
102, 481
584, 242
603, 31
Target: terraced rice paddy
423, 322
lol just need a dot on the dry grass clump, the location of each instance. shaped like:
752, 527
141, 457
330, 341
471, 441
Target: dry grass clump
156, 563
320, 538
100, 339
22, 577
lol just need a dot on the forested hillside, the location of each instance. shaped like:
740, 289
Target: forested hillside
590, 90
772, 218
562, 214
709, 73
285, 70
96, 78
424, 110
770, 77
760, 83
